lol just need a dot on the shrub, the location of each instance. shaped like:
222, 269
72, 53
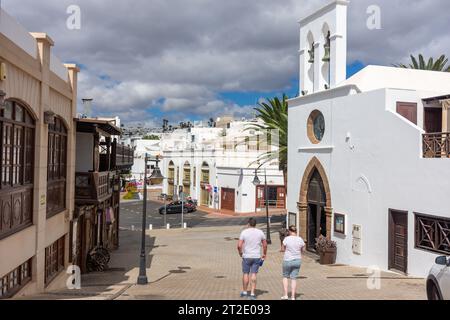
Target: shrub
323, 244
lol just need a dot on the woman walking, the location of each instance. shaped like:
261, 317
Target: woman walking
293, 246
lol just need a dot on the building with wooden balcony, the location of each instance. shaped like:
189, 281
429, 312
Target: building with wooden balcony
37, 169
369, 163
100, 161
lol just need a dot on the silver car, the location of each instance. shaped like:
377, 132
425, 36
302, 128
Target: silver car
438, 281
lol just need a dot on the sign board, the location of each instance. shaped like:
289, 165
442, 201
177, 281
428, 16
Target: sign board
216, 189
43, 200
182, 196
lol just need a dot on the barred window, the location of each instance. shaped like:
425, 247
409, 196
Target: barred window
54, 260
16, 171
15, 280
17, 146
56, 168
432, 233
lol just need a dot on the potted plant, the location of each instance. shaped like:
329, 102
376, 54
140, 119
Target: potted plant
327, 250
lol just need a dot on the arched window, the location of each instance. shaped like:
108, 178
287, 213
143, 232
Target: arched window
17, 162
56, 167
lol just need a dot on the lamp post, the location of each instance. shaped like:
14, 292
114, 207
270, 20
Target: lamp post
257, 182
156, 177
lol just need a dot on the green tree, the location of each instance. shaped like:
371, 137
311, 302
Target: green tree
420, 64
151, 137
274, 115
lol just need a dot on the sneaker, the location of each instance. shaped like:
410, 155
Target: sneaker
285, 298
294, 299
252, 297
244, 294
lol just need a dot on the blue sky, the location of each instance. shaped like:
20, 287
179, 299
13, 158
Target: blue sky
146, 61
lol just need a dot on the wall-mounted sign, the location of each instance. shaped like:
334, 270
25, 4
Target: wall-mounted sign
43, 200
339, 223
292, 219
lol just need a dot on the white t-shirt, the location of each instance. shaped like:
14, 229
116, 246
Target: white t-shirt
252, 238
294, 247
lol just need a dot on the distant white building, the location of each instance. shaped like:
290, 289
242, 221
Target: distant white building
216, 166
369, 156
143, 147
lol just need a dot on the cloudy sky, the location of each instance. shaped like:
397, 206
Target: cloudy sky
145, 60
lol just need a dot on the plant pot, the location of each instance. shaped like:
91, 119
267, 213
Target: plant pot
328, 256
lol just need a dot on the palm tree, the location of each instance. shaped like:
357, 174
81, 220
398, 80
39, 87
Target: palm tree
438, 65
274, 115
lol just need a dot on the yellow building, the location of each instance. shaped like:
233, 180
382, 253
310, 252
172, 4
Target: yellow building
38, 107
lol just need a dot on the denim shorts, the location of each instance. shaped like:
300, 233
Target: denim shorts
250, 265
291, 269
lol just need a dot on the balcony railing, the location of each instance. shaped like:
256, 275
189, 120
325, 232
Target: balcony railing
124, 156
436, 145
92, 187
279, 204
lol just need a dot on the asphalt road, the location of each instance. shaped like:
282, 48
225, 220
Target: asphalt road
131, 218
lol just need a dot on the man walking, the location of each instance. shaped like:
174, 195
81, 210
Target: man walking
250, 243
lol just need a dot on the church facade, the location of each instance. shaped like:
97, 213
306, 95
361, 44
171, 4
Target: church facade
370, 166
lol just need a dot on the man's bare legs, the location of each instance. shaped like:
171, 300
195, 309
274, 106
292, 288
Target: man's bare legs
245, 282
253, 284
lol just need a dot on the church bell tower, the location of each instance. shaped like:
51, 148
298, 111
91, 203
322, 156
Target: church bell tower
323, 48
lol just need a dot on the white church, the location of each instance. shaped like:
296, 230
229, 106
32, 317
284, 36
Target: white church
369, 156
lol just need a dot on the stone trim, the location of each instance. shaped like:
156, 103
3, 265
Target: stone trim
302, 205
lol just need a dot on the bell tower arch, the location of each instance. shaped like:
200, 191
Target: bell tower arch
323, 48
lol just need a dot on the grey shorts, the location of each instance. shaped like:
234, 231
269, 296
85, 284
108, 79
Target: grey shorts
291, 269
250, 266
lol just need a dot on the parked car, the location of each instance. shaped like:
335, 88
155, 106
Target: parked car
175, 207
438, 281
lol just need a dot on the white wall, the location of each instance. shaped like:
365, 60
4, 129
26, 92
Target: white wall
85, 155
378, 168
241, 179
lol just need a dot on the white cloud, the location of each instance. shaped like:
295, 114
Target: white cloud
178, 55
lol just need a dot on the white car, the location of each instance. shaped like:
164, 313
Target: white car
438, 281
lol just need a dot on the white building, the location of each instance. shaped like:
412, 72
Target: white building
143, 147
365, 167
216, 166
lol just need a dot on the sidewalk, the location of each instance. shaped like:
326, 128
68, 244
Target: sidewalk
202, 264
227, 213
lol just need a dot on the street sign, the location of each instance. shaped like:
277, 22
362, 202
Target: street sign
216, 189
182, 196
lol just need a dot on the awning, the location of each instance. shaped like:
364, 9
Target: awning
89, 125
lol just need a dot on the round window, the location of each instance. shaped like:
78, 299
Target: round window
316, 126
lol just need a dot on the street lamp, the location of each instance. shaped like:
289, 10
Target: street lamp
156, 177
257, 182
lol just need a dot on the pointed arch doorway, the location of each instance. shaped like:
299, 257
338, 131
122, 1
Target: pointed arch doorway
315, 211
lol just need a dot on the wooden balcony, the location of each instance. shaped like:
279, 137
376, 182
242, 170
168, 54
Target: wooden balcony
123, 156
92, 187
436, 145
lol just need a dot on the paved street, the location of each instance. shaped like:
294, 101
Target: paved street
131, 217
202, 263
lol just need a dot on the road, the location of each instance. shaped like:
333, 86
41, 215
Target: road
131, 218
